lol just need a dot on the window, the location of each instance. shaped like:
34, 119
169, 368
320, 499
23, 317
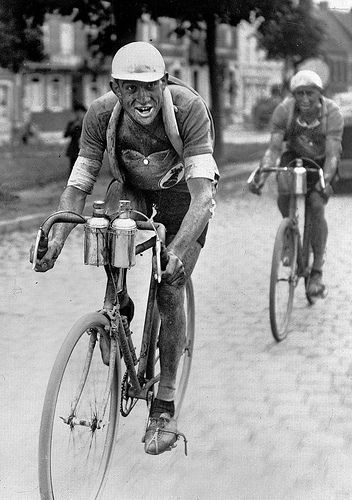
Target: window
195, 79
56, 93
67, 38
34, 93
4, 101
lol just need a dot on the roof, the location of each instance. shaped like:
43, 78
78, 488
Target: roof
338, 27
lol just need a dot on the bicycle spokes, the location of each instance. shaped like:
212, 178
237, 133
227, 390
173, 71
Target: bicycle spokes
83, 419
283, 279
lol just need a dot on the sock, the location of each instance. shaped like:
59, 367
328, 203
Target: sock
160, 406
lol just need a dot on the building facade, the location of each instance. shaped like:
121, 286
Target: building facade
44, 92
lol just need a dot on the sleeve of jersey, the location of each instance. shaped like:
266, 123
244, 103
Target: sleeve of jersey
195, 129
84, 174
197, 142
93, 138
201, 166
334, 128
279, 119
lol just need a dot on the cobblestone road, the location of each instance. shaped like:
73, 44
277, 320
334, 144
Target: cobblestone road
264, 420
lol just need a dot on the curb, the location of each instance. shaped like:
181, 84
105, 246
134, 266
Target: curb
22, 223
33, 221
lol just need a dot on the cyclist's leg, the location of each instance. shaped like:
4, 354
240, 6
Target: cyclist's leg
172, 331
283, 200
172, 338
319, 232
319, 235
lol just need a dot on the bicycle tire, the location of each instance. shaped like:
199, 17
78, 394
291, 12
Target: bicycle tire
185, 363
283, 280
56, 472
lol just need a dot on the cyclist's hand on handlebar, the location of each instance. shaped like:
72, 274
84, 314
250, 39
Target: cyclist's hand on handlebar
48, 260
173, 269
257, 183
326, 192
174, 273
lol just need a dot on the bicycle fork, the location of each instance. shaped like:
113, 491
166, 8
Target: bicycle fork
96, 422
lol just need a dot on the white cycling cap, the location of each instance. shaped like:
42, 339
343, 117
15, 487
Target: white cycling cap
138, 61
305, 78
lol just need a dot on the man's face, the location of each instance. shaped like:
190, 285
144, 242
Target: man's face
307, 98
142, 100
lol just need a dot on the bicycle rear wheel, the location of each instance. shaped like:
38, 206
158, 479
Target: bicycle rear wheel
76, 441
184, 368
283, 279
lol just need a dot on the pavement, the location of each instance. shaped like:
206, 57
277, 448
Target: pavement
264, 421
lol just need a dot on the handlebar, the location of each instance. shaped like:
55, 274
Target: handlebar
69, 217
289, 167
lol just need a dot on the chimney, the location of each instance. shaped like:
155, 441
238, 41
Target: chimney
324, 6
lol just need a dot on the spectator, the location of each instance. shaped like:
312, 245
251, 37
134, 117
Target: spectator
73, 130
29, 131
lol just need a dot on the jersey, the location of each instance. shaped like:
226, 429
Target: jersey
303, 139
148, 161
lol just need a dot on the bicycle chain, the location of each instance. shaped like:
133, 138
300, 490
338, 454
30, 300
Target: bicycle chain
127, 403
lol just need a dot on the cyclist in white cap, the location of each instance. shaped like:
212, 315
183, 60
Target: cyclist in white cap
159, 140
311, 126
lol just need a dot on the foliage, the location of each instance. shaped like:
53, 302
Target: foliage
291, 33
20, 33
262, 112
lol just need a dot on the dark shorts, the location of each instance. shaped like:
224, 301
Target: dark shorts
171, 205
312, 177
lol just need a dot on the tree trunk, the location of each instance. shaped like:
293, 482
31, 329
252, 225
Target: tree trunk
215, 82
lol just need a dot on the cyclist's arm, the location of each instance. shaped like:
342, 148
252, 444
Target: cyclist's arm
334, 126
72, 199
333, 148
273, 153
197, 216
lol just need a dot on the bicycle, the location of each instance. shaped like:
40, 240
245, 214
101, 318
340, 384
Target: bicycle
292, 255
85, 393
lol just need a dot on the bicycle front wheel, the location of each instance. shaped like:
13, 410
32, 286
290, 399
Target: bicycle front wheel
77, 437
283, 279
184, 368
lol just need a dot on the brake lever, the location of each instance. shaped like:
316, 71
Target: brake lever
322, 179
253, 174
157, 275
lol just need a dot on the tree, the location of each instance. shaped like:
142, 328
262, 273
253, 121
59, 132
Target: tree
115, 24
292, 34
20, 34
211, 13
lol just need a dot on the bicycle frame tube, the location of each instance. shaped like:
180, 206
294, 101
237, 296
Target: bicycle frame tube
306, 236
116, 284
148, 322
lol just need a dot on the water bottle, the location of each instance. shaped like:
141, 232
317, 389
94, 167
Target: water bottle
300, 178
123, 238
96, 237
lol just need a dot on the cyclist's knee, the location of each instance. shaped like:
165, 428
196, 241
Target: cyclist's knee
283, 202
169, 297
317, 204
